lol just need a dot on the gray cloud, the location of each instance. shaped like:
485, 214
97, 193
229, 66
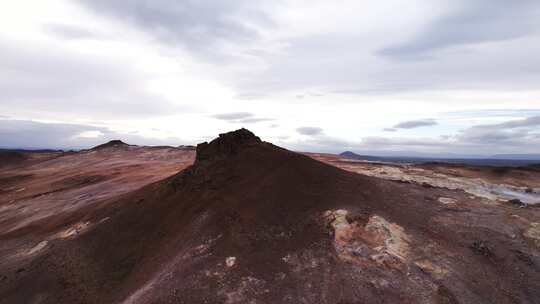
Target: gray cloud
514, 133
198, 25
70, 31
514, 136
510, 137
389, 130
472, 22
310, 131
241, 117
526, 122
347, 64
255, 120
38, 78
414, 124
233, 116
27, 134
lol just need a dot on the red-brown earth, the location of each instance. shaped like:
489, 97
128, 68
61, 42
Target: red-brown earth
250, 222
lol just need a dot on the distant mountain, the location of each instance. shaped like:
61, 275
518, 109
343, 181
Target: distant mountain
508, 160
30, 150
8, 157
517, 156
116, 143
353, 155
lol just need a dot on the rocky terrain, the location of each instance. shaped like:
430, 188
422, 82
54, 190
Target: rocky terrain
244, 221
42, 189
517, 185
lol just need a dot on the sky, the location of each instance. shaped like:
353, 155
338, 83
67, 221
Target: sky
417, 77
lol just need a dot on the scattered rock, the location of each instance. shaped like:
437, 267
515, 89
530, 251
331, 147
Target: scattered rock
481, 248
73, 231
517, 202
524, 257
447, 201
230, 261
451, 204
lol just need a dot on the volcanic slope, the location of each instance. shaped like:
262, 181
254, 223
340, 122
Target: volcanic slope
250, 222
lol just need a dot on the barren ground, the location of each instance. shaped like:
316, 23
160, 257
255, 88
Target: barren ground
250, 222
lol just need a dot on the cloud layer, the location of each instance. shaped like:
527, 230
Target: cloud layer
241, 117
200, 26
471, 22
313, 75
37, 135
310, 131
412, 124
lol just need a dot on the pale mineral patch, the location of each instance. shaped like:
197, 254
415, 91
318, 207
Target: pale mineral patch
533, 233
37, 248
433, 269
378, 241
396, 242
474, 186
447, 201
73, 230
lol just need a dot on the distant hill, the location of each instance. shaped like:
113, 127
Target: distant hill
30, 150
111, 144
507, 160
353, 155
11, 157
535, 157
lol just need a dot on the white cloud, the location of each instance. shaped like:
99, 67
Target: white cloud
90, 134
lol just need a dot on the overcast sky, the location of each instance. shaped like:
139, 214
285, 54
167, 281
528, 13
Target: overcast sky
426, 76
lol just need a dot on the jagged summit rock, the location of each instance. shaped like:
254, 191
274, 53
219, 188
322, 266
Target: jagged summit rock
115, 143
226, 144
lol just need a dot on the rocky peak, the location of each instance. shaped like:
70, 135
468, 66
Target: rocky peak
226, 144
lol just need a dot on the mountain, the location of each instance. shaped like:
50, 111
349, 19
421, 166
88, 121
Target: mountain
250, 222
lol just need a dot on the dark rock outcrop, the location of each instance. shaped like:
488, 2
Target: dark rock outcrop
226, 144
